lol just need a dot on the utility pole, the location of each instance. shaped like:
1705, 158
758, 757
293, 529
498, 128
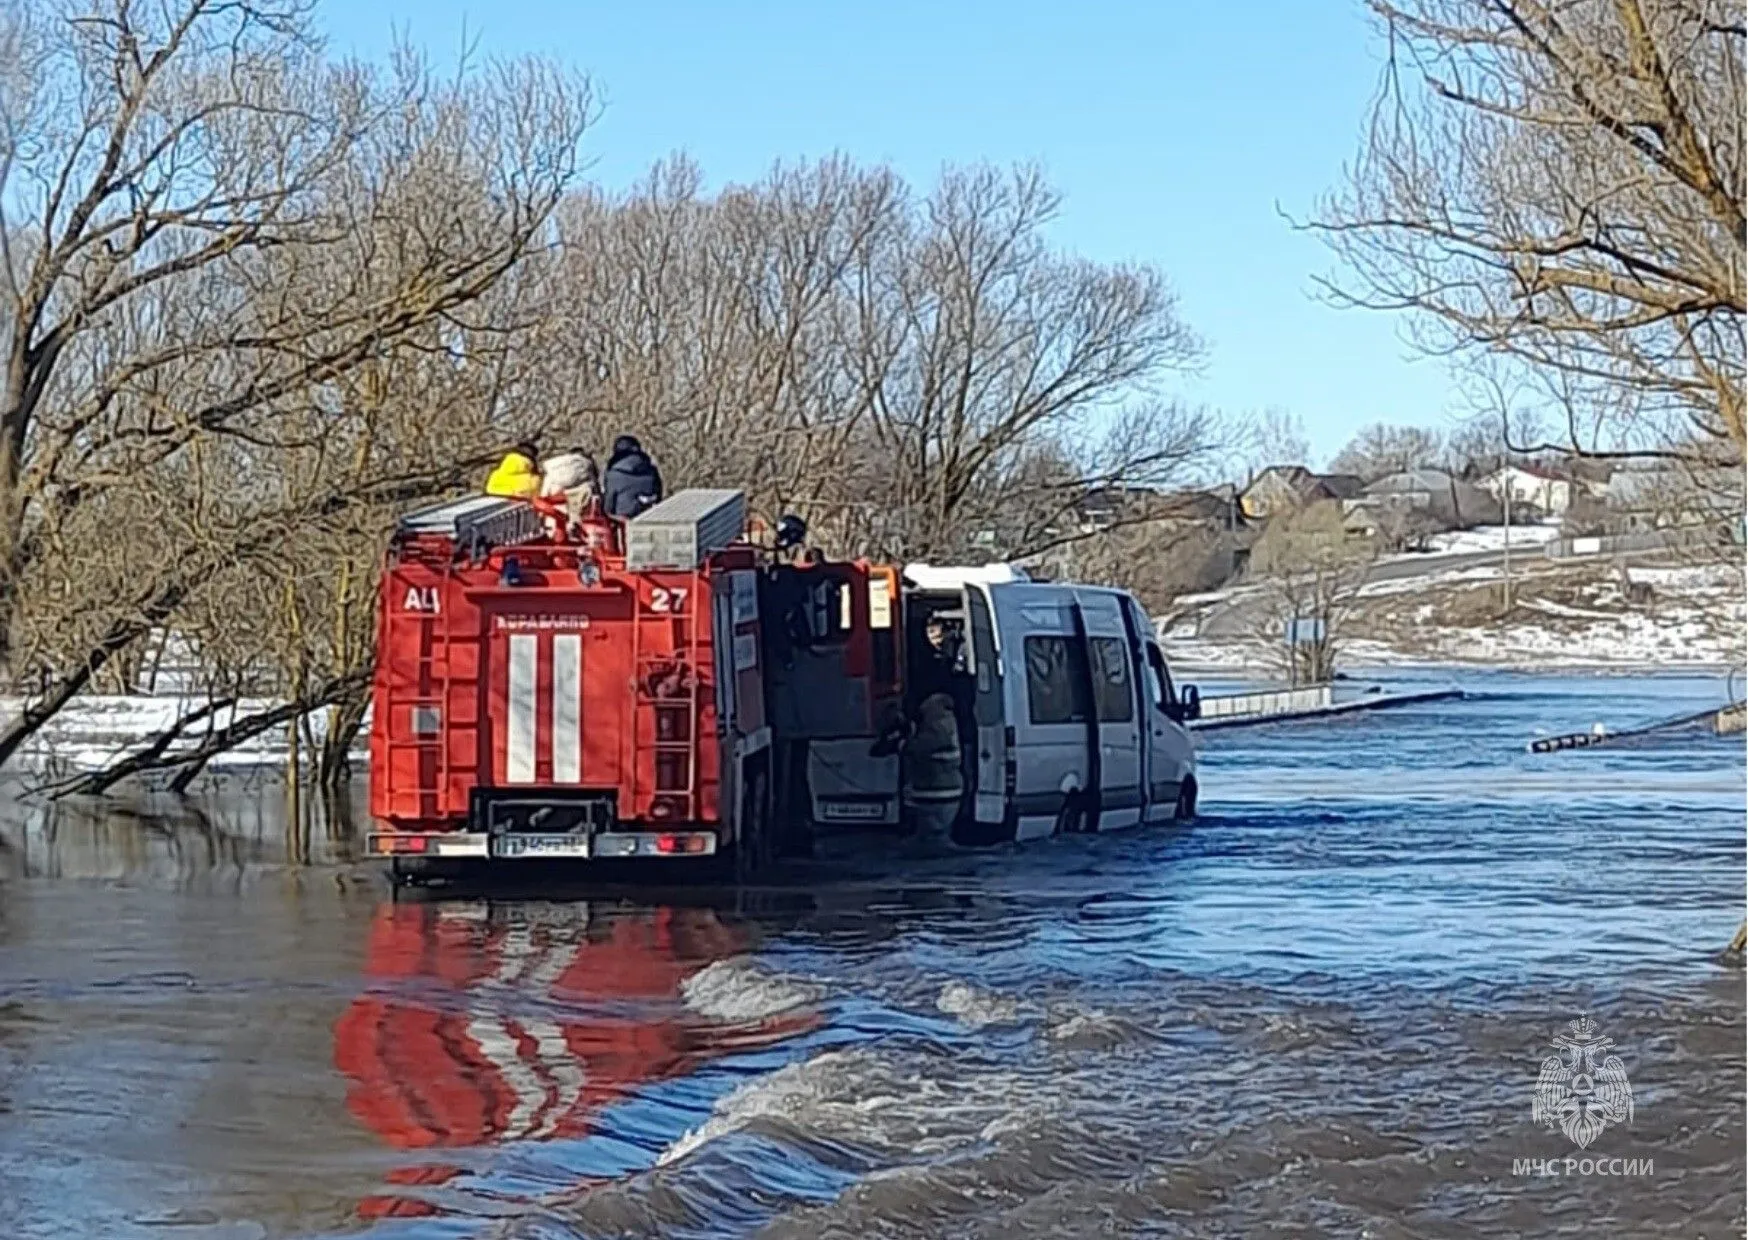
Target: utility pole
1508, 492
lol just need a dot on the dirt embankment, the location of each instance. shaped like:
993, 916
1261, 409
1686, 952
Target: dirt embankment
1589, 612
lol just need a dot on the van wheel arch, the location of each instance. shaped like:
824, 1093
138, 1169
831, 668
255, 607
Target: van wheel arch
1071, 819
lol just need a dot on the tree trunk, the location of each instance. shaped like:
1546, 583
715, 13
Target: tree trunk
334, 762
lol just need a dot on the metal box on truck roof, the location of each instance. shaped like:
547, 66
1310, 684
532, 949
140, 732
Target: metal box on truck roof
682, 532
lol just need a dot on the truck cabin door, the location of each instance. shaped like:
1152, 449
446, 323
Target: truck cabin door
990, 802
724, 672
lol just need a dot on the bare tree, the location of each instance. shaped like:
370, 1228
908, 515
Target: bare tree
207, 229
1158, 559
1312, 570
919, 377
1561, 185
1270, 437
1380, 450
1405, 527
980, 346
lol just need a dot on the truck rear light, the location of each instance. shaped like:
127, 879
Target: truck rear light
405, 843
668, 845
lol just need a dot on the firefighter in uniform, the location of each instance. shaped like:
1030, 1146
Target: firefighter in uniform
934, 783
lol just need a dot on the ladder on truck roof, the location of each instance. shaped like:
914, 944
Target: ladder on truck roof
475, 524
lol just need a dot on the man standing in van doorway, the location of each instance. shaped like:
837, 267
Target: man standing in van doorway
946, 672
934, 784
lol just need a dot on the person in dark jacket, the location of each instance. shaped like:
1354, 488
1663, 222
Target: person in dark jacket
631, 481
934, 783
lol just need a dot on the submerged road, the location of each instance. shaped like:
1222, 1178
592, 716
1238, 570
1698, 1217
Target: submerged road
1320, 1010
1402, 568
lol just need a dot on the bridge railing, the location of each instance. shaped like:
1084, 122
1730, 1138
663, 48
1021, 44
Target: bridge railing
1267, 702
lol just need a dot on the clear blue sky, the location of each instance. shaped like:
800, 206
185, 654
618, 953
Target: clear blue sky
1177, 130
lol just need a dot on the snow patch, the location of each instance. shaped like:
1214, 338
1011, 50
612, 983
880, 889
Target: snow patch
94, 732
1494, 538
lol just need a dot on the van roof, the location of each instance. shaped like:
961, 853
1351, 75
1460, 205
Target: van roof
952, 577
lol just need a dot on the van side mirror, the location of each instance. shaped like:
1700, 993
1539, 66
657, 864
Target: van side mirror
1189, 703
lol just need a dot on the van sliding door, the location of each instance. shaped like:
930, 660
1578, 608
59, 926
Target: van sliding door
991, 757
1110, 660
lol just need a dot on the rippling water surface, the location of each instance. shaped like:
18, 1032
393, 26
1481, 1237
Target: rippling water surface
1319, 1010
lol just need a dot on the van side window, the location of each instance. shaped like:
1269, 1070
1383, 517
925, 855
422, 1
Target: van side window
983, 659
1050, 690
1159, 680
1113, 691
1150, 680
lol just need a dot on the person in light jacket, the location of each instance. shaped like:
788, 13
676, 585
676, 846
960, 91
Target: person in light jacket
934, 783
574, 476
517, 475
631, 482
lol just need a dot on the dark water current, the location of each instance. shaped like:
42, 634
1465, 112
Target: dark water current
1321, 1010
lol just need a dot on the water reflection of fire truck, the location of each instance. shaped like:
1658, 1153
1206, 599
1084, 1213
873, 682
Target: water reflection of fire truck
487, 1025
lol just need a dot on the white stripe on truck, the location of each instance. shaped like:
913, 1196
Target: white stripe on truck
567, 700
520, 725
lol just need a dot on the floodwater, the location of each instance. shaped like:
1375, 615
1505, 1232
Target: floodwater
1320, 1010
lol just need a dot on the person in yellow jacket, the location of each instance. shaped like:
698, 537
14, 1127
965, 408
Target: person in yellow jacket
517, 476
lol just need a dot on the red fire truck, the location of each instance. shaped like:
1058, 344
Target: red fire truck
542, 692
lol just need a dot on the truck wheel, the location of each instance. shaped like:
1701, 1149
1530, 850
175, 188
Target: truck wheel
791, 815
424, 871
1186, 801
752, 847
1071, 818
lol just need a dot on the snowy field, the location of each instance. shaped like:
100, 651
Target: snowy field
1493, 538
97, 731
1561, 620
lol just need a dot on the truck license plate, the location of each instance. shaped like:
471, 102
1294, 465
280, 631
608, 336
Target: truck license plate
540, 846
852, 811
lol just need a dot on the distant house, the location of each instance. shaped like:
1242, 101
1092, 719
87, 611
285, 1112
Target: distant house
1662, 496
1642, 489
1160, 543
1531, 486
1282, 487
1437, 497
1119, 505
